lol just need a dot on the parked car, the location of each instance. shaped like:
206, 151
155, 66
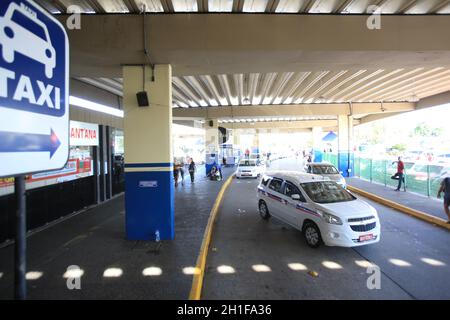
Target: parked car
320, 208
422, 171
248, 168
326, 170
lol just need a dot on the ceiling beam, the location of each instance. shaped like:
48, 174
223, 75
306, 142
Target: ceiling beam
316, 109
167, 6
343, 6
58, 4
131, 6
202, 6
307, 5
433, 101
407, 6
302, 124
198, 44
376, 117
272, 5
439, 6
238, 5
94, 4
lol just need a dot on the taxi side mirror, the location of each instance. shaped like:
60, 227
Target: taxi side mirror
295, 197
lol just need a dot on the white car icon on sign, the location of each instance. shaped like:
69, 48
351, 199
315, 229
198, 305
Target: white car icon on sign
21, 31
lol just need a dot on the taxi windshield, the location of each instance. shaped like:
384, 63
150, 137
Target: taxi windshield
324, 169
326, 192
247, 163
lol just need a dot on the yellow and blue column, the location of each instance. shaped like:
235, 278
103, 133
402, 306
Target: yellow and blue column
211, 144
345, 145
149, 188
317, 134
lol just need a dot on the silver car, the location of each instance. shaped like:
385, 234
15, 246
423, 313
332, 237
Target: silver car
326, 170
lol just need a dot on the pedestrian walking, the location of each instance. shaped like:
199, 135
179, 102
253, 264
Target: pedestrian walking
400, 174
181, 168
192, 168
176, 171
445, 188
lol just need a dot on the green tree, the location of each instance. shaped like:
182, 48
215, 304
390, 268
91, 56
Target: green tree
424, 130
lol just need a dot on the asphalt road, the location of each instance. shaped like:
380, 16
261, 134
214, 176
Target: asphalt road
251, 258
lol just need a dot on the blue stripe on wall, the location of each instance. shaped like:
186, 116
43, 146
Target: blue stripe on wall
149, 205
148, 165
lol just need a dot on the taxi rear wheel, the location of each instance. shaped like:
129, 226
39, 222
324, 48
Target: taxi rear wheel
263, 210
312, 235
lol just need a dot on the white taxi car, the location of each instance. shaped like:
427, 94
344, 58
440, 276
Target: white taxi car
21, 31
323, 210
326, 170
249, 168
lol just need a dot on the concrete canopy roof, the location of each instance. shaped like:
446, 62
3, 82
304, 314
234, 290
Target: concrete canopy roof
249, 6
326, 55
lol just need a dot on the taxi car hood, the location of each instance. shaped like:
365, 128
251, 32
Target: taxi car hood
348, 209
247, 167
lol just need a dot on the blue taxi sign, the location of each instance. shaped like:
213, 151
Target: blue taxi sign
34, 89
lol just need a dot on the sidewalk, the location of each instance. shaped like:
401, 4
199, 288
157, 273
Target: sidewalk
415, 201
116, 268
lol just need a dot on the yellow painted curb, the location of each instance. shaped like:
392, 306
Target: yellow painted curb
412, 212
199, 271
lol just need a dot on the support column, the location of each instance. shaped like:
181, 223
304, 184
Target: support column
236, 137
211, 136
345, 143
256, 142
211, 144
149, 188
102, 161
317, 144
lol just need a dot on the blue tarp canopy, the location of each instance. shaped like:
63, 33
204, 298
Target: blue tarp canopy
330, 136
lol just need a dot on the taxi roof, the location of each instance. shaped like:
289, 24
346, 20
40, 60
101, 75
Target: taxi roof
295, 176
320, 164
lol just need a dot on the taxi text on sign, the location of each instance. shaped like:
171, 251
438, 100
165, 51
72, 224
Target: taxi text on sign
34, 89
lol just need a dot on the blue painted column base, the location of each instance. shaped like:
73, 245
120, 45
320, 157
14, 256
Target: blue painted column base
149, 205
346, 163
318, 155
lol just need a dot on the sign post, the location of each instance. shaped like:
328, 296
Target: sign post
34, 105
20, 256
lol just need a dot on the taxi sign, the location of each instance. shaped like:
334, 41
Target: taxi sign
34, 89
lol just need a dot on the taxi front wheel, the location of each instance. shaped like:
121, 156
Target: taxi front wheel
312, 235
263, 210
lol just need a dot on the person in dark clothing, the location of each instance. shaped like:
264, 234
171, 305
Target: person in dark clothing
445, 187
214, 174
176, 171
181, 168
400, 175
192, 168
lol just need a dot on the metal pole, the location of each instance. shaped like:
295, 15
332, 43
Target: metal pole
20, 286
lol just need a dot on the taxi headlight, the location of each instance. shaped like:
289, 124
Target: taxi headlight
329, 218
